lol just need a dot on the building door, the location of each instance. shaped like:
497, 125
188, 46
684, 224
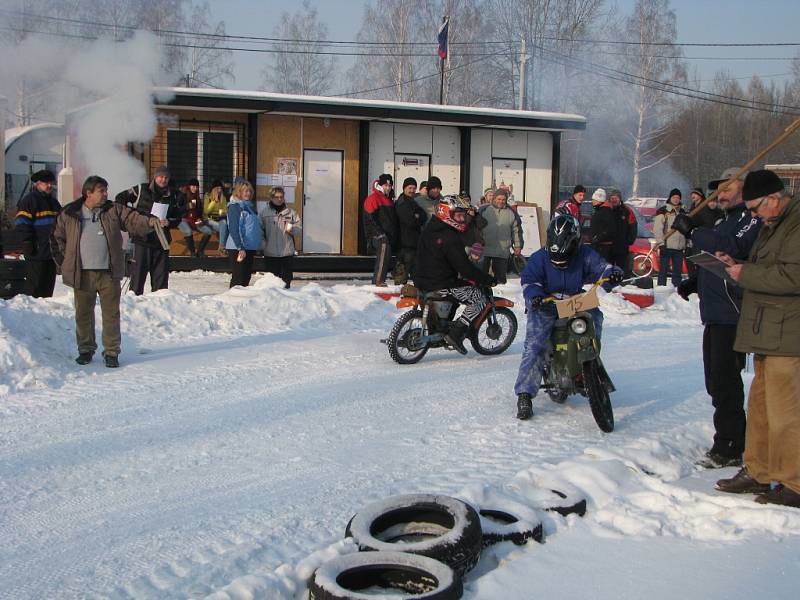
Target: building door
323, 172
509, 174
417, 166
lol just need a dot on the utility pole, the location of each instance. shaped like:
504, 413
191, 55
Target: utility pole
523, 58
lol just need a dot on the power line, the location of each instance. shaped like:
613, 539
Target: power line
399, 43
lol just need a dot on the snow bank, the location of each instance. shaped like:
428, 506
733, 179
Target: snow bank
37, 336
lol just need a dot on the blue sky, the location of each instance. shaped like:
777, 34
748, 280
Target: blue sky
711, 21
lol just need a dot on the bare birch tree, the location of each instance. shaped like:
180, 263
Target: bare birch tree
207, 64
652, 22
298, 71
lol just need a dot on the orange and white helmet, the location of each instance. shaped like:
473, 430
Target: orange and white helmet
447, 209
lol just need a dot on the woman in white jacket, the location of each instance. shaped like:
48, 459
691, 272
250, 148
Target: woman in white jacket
280, 224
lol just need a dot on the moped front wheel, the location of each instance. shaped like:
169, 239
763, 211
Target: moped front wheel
403, 342
599, 399
495, 337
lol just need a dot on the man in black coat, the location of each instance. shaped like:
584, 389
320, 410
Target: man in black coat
411, 218
706, 217
148, 255
442, 265
720, 303
613, 230
35, 220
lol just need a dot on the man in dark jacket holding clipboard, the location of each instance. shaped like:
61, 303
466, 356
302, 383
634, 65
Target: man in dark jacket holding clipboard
720, 305
148, 254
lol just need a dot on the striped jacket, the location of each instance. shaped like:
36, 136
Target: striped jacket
35, 220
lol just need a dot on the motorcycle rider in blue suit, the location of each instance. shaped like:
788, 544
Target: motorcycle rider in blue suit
560, 269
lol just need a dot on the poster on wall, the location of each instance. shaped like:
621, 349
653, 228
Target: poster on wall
286, 166
509, 174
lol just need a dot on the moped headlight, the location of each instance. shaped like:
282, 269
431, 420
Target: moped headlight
578, 326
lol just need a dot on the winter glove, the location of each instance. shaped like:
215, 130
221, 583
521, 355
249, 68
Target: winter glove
536, 303
381, 237
683, 224
687, 287
615, 278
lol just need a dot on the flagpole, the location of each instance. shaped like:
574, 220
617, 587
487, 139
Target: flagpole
441, 83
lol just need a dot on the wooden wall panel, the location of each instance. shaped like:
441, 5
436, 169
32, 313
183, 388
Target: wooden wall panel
279, 137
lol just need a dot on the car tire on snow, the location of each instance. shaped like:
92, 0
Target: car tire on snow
418, 577
439, 527
577, 508
502, 526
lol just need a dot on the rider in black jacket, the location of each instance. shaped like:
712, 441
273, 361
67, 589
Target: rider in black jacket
443, 265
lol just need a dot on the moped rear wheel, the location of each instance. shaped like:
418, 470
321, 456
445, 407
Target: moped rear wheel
599, 400
495, 338
403, 342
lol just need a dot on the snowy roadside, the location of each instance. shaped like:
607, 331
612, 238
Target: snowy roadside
245, 428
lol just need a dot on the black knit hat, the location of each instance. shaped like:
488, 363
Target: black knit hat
578, 189
699, 191
216, 183
434, 182
44, 176
409, 181
423, 184
193, 181
674, 192
385, 178
762, 183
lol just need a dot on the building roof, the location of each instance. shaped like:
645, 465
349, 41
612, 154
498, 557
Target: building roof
13, 134
783, 167
376, 110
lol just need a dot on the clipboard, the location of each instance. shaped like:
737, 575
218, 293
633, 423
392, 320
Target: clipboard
709, 262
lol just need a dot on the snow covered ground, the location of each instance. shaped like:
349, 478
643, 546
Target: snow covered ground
246, 427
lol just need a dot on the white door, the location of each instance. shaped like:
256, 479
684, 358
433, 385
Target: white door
417, 166
509, 173
322, 201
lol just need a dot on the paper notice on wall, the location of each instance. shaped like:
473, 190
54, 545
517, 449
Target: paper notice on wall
288, 194
159, 209
263, 179
289, 181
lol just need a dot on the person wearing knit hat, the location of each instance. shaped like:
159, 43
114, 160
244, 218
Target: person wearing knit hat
192, 218
429, 201
35, 220
149, 257
613, 228
502, 235
488, 196
381, 227
572, 205
672, 247
599, 196
411, 217
769, 327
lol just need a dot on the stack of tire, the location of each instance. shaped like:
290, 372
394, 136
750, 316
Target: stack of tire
12, 278
418, 546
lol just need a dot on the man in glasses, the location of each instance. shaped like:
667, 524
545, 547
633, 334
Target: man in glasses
720, 305
769, 327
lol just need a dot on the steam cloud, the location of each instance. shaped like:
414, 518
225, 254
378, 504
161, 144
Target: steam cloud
115, 79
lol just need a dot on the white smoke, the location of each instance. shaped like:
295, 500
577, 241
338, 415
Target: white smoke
101, 90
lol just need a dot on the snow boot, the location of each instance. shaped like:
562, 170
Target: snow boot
112, 362
524, 407
84, 358
201, 251
742, 483
456, 334
189, 244
781, 495
717, 460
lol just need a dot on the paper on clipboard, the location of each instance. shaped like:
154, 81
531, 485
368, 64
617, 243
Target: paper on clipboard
159, 210
709, 262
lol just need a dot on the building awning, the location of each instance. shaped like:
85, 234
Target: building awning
372, 110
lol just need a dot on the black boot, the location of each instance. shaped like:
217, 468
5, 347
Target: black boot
189, 244
456, 334
203, 243
524, 407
